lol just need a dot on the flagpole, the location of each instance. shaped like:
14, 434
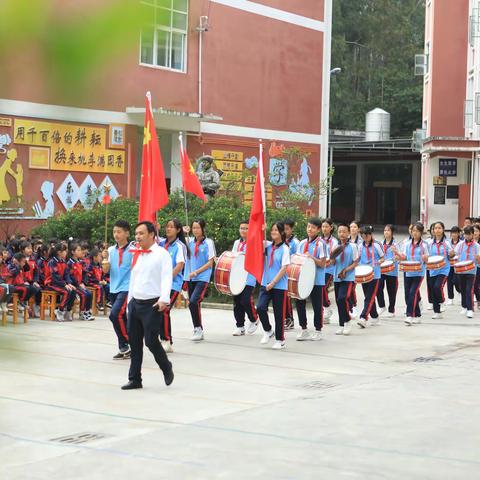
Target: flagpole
180, 139
260, 159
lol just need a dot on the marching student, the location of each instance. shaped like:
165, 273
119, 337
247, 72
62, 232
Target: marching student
331, 243
439, 246
370, 253
355, 238
389, 279
274, 286
429, 283
200, 266
243, 303
476, 238
118, 264
176, 246
58, 279
452, 281
292, 242
467, 250
345, 259
314, 247
78, 279
415, 250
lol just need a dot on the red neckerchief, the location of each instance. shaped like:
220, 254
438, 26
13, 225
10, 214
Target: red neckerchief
272, 253
386, 245
197, 245
121, 251
415, 245
137, 252
168, 245
342, 256
469, 245
307, 245
241, 245
370, 257
438, 245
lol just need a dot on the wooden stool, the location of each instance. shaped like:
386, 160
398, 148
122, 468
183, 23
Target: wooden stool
93, 291
4, 318
16, 299
48, 300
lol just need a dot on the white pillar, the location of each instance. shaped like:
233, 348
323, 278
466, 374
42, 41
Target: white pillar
475, 186
424, 184
175, 173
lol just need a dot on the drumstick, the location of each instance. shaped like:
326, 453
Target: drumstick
337, 251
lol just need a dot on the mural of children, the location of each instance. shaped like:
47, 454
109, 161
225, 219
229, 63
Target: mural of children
5, 168
47, 193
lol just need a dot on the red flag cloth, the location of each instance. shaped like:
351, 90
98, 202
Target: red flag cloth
153, 187
255, 256
106, 199
190, 181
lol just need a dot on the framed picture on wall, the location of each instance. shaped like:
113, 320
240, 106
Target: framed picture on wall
447, 167
452, 192
116, 137
439, 195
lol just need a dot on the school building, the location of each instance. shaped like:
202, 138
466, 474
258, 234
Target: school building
227, 73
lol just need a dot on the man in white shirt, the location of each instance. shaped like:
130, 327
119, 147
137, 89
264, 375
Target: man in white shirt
148, 297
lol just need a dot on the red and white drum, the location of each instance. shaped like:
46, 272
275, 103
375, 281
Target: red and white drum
230, 276
364, 274
387, 266
453, 260
435, 262
463, 267
410, 266
301, 276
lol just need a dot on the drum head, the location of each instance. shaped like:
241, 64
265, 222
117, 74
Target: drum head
410, 262
464, 264
387, 263
238, 275
363, 270
306, 279
435, 259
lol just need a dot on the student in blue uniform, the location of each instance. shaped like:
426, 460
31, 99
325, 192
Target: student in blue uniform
176, 246
467, 250
315, 248
476, 288
274, 287
427, 273
344, 277
416, 250
200, 265
390, 279
370, 253
452, 281
357, 239
292, 243
243, 304
331, 243
439, 246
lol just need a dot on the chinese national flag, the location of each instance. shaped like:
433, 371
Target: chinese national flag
189, 177
255, 256
153, 187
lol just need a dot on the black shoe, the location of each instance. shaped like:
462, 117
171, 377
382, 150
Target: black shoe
119, 356
132, 385
168, 377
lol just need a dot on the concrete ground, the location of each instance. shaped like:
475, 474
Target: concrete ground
388, 402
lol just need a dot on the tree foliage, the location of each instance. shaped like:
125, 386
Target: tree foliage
374, 42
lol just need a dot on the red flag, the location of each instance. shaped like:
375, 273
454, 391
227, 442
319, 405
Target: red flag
255, 256
189, 177
153, 187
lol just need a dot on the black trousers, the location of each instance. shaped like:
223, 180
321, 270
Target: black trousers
452, 283
391, 282
369, 307
144, 323
412, 294
328, 282
467, 284
437, 284
279, 301
196, 292
429, 288
477, 285
118, 317
316, 297
343, 291
243, 305
166, 327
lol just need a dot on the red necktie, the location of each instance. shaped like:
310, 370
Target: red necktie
271, 255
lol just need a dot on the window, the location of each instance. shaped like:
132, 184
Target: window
164, 36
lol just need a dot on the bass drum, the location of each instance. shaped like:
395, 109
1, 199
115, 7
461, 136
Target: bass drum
301, 276
230, 276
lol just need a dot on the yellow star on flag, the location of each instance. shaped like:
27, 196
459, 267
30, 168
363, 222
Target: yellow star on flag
147, 136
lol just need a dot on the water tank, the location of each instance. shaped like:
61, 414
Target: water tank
377, 125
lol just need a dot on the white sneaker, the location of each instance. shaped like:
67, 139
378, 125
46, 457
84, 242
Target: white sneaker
327, 313
362, 323
68, 316
420, 305
450, 301
374, 321
429, 306
167, 346
83, 316
416, 320
36, 310
408, 321
442, 307
326, 321
380, 310
252, 327
463, 311
59, 315
347, 328
278, 345
317, 335
389, 315
267, 336
304, 335
197, 334
470, 314
354, 312
339, 331
238, 332
4, 307
437, 316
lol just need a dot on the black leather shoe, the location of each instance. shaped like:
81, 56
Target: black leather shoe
168, 377
131, 385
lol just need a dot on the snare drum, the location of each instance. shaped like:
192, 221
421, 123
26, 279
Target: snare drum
364, 274
462, 267
410, 266
230, 276
387, 266
453, 260
435, 262
301, 276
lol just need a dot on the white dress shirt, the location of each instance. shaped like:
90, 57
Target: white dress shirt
151, 276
